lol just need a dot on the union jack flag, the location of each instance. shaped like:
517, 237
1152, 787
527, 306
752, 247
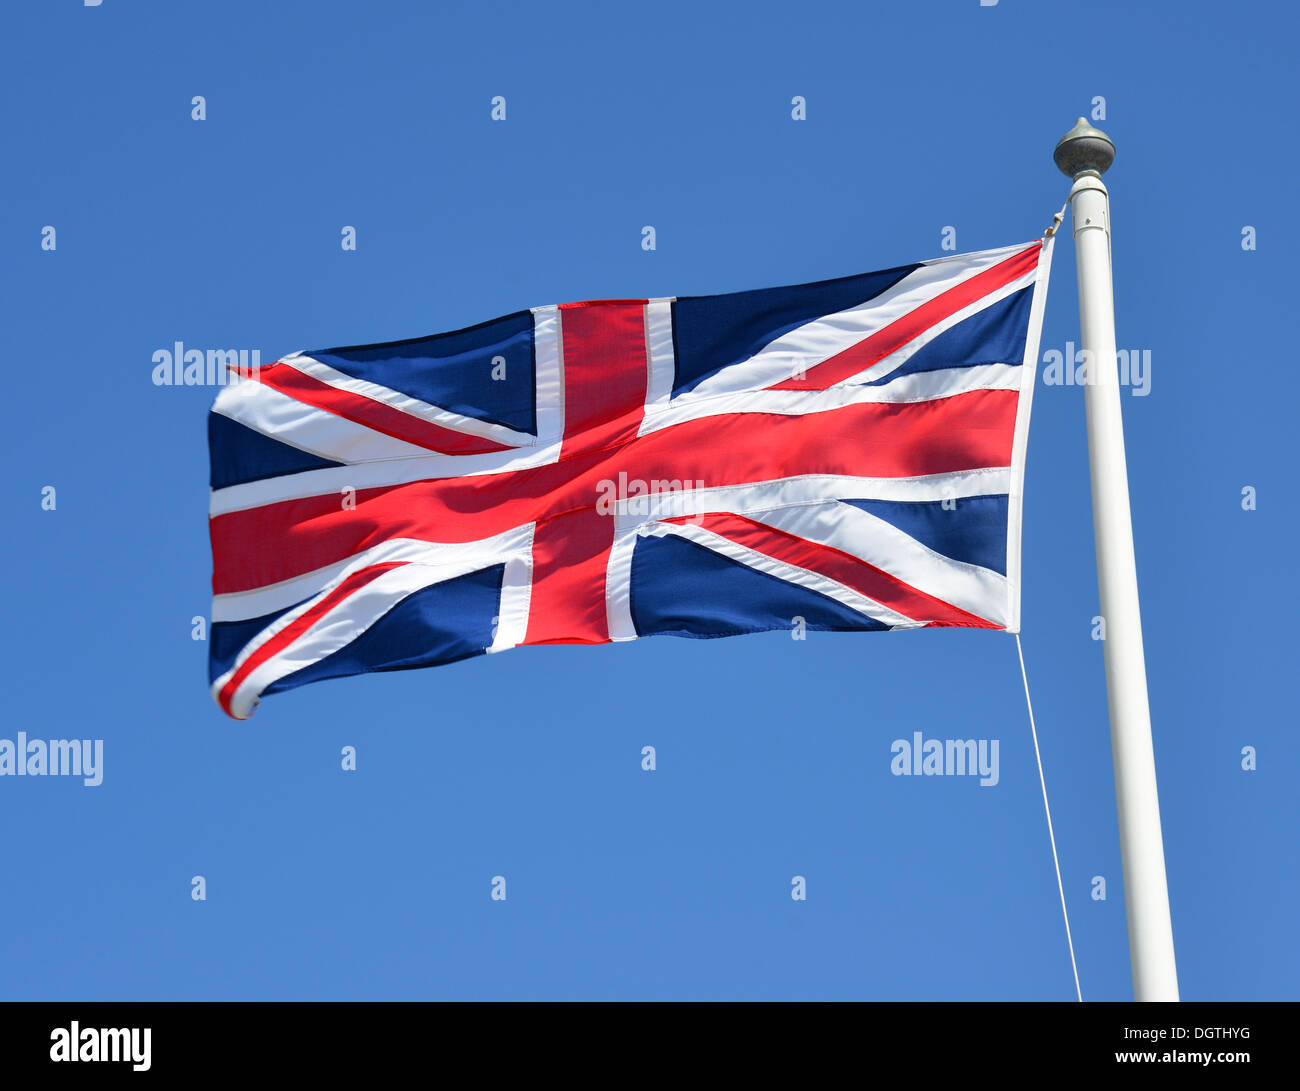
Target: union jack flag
843, 455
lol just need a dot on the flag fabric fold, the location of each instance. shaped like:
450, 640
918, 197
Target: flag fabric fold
843, 455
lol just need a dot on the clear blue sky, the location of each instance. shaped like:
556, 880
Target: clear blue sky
773, 755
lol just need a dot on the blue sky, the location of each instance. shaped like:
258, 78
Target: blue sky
773, 755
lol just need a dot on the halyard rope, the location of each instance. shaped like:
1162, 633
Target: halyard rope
1050, 832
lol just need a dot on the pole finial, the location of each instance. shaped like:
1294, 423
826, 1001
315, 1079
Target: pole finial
1083, 150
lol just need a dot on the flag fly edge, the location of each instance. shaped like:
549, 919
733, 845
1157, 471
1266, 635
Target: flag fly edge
1020, 442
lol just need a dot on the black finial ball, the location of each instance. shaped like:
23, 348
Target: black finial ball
1084, 148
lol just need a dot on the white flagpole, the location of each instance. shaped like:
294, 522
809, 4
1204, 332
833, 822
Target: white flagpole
1083, 154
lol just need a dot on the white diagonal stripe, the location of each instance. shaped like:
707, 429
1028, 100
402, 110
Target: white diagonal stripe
431, 414
351, 617
813, 581
970, 587
287, 420
805, 346
903, 353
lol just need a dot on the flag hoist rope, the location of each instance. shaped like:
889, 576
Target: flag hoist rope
1033, 729
1051, 834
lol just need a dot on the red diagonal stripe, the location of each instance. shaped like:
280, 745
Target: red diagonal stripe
853, 572
298, 626
880, 344
375, 415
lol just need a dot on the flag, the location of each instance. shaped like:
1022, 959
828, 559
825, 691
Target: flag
842, 455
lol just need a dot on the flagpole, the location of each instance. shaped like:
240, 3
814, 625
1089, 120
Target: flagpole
1084, 154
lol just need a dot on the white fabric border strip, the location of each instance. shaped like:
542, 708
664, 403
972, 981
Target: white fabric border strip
516, 595
661, 365
1016, 490
548, 355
